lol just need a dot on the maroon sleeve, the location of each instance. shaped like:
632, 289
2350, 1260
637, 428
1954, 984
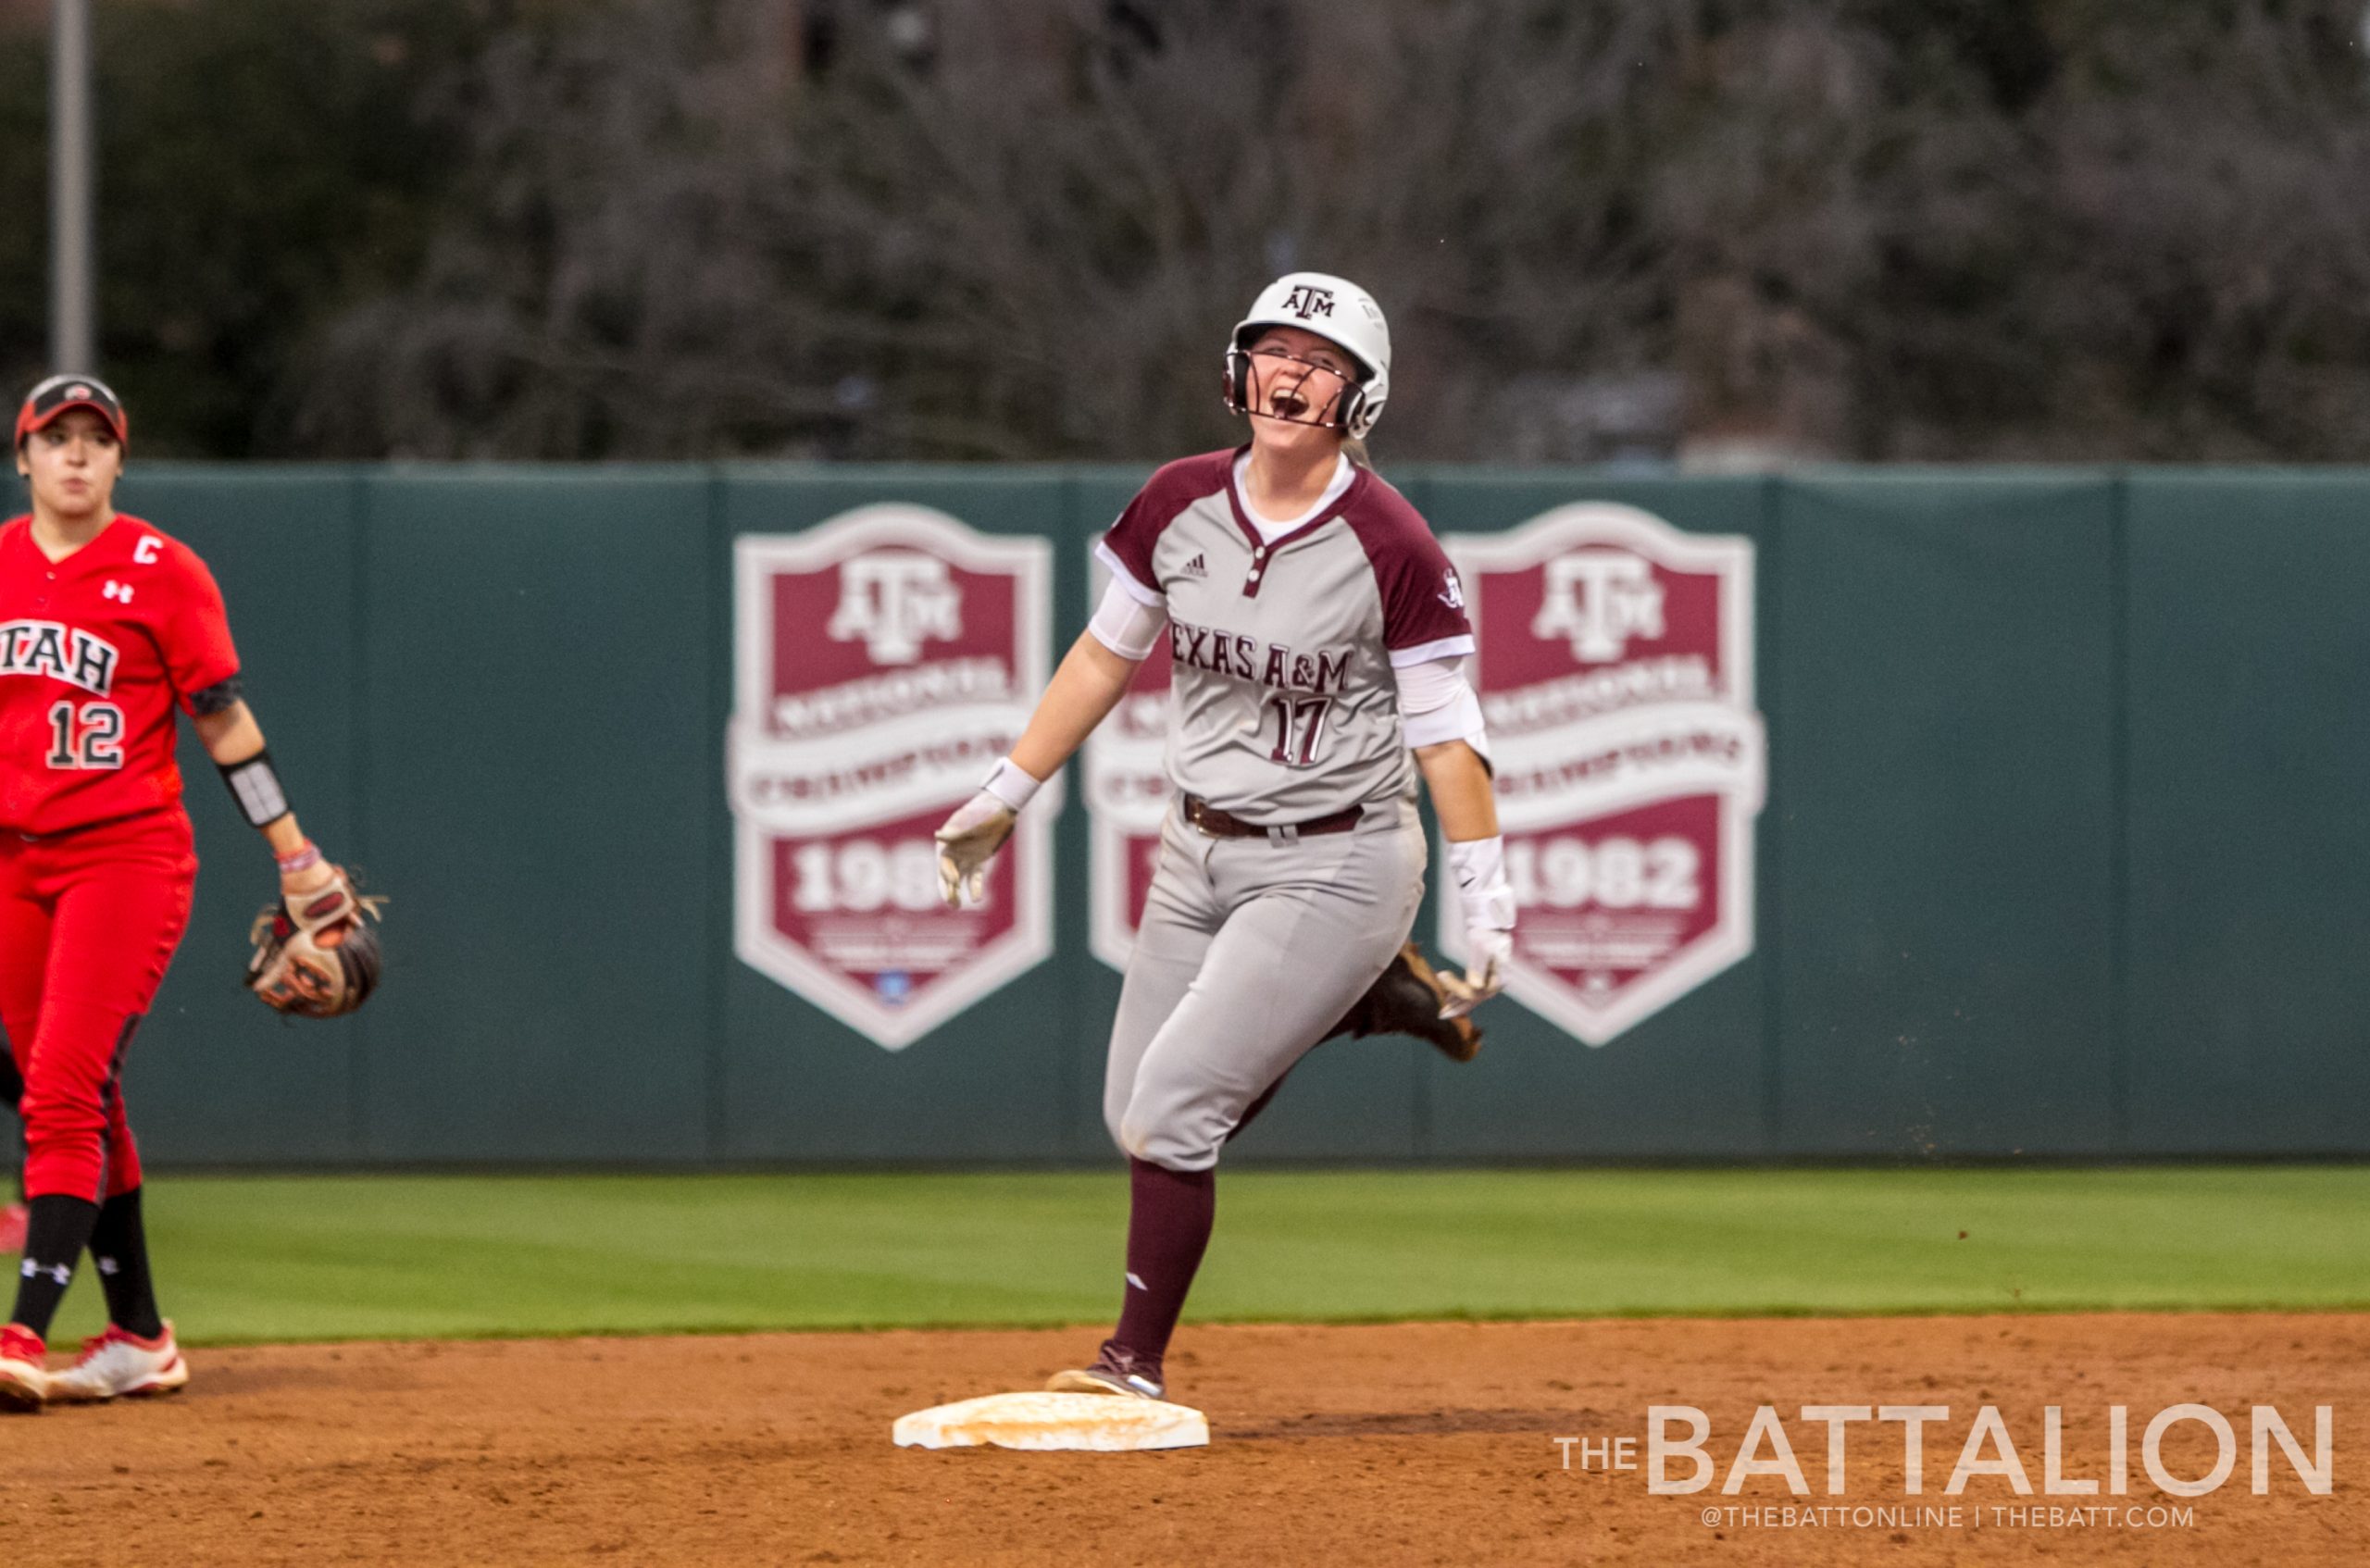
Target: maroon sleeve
1423, 605
1172, 489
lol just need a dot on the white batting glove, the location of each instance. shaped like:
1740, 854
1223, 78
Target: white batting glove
966, 843
1486, 951
1489, 904
979, 827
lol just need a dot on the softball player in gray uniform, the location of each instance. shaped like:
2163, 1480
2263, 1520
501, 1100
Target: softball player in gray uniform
1317, 638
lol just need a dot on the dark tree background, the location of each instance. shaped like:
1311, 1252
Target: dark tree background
1724, 230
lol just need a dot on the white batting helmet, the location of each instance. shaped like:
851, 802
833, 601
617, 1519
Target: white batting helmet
1335, 309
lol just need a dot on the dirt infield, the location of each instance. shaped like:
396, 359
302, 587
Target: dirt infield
1407, 1444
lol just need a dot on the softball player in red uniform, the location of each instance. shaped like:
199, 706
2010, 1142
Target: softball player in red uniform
1317, 640
106, 624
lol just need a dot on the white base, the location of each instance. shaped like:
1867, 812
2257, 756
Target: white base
1106, 1422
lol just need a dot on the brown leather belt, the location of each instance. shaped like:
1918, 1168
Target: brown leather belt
1218, 825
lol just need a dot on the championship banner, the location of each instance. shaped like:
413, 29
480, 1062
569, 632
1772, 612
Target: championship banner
883, 660
1126, 799
1615, 667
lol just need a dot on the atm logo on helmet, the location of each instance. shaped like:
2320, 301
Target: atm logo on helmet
1308, 302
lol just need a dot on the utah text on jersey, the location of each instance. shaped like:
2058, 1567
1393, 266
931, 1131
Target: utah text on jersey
66, 652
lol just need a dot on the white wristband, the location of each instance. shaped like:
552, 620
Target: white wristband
1481, 868
1010, 784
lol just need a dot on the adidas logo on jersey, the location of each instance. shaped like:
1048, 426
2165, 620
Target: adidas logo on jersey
1197, 567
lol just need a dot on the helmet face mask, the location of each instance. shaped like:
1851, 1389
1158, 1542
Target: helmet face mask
1343, 314
1292, 380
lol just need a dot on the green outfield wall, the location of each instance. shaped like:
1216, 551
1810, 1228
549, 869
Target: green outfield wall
2065, 850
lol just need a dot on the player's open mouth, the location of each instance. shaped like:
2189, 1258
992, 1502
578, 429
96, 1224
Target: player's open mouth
1286, 406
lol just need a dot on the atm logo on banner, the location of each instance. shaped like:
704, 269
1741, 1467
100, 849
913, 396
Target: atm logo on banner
1616, 673
895, 603
884, 661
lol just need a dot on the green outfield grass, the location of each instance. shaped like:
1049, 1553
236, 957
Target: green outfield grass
268, 1258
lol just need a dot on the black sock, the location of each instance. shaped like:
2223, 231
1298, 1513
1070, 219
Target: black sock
55, 1237
119, 1247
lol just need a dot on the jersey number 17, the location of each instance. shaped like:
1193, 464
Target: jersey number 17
1299, 727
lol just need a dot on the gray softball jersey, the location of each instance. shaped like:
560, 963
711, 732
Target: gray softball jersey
1284, 704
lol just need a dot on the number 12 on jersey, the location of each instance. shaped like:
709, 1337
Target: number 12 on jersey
91, 739
1299, 725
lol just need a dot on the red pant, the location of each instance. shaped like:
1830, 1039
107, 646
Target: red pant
88, 922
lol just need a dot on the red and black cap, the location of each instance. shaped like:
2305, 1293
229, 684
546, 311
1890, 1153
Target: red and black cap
46, 402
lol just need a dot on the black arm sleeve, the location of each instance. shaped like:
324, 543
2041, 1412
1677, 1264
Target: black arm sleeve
216, 698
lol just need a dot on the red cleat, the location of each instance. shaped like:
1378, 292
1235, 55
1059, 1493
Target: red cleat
24, 1374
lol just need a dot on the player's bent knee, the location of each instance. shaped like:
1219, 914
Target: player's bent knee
1158, 1140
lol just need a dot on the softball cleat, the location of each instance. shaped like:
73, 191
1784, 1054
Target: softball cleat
121, 1364
1115, 1371
24, 1375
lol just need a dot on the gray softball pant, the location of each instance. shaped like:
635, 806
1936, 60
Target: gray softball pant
1248, 952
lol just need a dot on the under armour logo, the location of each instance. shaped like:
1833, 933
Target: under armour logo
1197, 567
1600, 599
893, 600
61, 1273
1308, 302
78, 391
1136, 1280
1452, 592
120, 593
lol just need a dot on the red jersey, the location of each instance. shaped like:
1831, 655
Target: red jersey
95, 652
